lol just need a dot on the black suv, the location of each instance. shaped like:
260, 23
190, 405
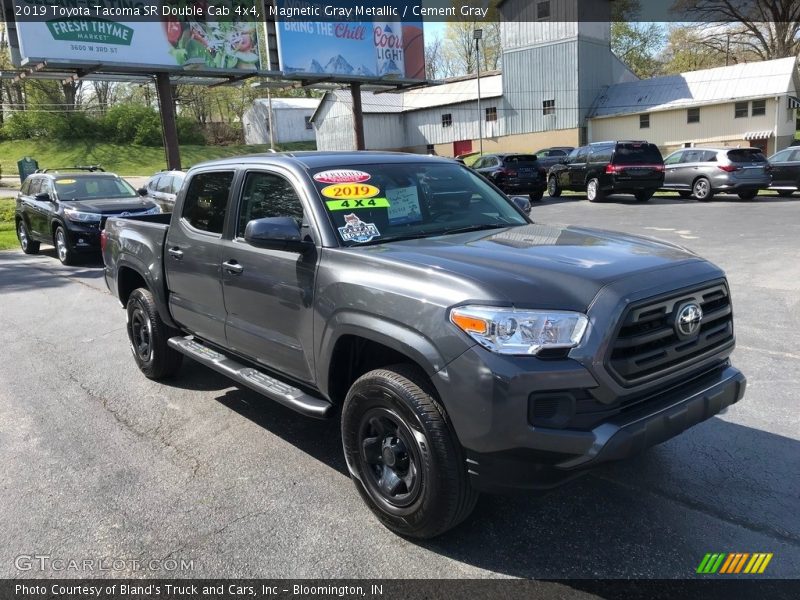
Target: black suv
602, 168
67, 209
513, 173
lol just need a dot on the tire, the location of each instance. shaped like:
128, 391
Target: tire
536, 196
60, 240
148, 337
25, 242
701, 189
403, 456
553, 189
748, 195
593, 191
644, 196
785, 193
684, 194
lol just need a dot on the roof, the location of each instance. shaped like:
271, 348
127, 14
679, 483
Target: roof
696, 88
462, 89
318, 159
284, 103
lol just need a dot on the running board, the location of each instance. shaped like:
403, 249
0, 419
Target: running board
262, 383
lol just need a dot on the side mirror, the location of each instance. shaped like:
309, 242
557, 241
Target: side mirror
43, 197
522, 203
142, 191
276, 233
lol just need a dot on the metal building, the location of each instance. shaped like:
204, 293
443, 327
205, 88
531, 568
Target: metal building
291, 120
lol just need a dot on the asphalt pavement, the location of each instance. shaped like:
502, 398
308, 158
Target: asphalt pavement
98, 461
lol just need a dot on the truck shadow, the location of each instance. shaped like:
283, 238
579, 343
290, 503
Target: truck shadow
23, 272
719, 484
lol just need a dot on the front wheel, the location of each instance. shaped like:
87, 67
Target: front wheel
148, 336
593, 191
702, 190
25, 242
536, 196
403, 456
748, 195
65, 253
553, 189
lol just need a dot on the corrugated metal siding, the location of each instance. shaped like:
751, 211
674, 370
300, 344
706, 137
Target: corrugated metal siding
334, 126
595, 73
383, 132
290, 124
669, 128
425, 126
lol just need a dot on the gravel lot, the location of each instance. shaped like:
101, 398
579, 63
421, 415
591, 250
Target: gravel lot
98, 461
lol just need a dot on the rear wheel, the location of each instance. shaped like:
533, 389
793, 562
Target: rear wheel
748, 195
536, 196
148, 336
701, 189
684, 194
65, 254
404, 458
593, 191
26, 243
553, 189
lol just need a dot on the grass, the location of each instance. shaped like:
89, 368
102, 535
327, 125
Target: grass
122, 159
8, 235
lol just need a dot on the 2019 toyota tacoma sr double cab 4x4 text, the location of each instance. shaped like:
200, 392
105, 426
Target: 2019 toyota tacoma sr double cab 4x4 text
463, 347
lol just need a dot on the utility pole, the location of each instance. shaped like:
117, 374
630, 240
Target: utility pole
477, 35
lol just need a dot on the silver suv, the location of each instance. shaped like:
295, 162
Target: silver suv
703, 172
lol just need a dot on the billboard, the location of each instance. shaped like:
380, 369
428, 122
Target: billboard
375, 47
160, 37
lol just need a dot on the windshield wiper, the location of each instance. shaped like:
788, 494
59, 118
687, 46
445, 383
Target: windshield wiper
483, 226
395, 238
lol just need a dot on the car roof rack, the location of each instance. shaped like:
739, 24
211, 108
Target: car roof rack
89, 168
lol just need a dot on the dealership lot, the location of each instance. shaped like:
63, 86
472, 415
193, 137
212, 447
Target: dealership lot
100, 462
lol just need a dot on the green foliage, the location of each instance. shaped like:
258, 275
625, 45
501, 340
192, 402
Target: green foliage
189, 132
637, 45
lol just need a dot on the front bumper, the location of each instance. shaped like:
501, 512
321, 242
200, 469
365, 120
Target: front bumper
504, 451
83, 238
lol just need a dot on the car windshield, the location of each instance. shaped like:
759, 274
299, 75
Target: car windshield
372, 204
637, 154
91, 187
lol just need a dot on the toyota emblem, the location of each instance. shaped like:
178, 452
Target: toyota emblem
687, 320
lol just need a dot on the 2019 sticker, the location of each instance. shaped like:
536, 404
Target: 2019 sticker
357, 203
342, 176
356, 230
350, 190
65, 181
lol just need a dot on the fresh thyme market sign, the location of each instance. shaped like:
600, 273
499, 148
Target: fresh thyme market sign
91, 30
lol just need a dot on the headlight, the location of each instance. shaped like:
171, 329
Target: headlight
81, 217
520, 332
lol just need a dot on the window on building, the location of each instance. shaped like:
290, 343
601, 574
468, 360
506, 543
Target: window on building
429, 149
644, 121
548, 107
447, 120
543, 10
693, 115
759, 108
491, 113
309, 125
740, 110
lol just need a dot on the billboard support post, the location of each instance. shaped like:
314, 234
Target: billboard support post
358, 115
169, 126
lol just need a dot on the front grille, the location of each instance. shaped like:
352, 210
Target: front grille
647, 345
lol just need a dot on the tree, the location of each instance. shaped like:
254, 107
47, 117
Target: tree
687, 51
636, 44
758, 29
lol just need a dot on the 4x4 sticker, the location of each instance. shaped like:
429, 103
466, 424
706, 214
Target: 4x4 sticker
355, 230
350, 190
358, 203
341, 176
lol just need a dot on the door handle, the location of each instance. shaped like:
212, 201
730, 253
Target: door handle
233, 267
176, 253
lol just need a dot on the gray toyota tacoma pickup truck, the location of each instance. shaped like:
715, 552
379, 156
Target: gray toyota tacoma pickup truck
463, 347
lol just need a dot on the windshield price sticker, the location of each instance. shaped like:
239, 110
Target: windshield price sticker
357, 203
350, 190
342, 176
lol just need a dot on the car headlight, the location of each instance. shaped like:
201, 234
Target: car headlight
520, 332
81, 217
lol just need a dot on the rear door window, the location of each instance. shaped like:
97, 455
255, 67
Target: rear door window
207, 200
152, 185
746, 155
634, 153
36, 184
602, 153
580, 154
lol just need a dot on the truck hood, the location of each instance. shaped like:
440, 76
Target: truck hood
540, 266
112, 206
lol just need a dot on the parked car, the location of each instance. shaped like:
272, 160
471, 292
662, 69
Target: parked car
602, 168
163, 187
65, 208
785, 171
548, 157
703, 172
513, 173
461, 346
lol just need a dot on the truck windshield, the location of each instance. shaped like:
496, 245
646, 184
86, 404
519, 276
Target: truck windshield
89, 188
371, 204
